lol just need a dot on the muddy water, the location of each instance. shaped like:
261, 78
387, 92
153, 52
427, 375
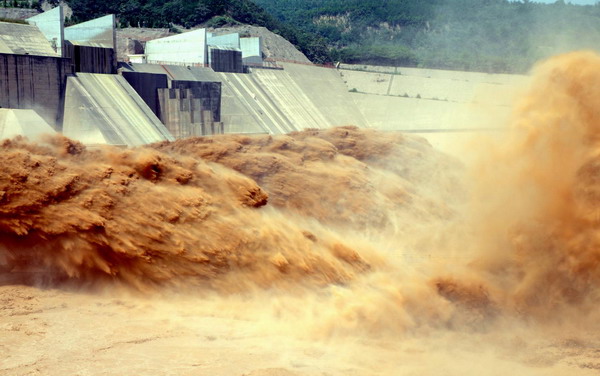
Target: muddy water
341, 252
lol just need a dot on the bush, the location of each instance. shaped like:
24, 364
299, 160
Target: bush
394, 55
221, 21
12, 20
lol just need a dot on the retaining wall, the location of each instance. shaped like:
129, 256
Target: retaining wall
34, 82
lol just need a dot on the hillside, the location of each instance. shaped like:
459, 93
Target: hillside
273, 45
495, 36
474, 35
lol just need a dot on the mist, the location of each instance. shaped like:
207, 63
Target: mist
345, 251
471, 35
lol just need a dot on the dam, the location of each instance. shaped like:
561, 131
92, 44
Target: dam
201, 83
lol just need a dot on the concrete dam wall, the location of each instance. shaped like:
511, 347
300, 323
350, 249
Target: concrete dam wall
274, 101
413, 99
34, 82
450, 109
105, 109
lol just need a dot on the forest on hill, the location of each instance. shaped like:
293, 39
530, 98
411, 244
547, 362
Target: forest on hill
478, 35
475, 35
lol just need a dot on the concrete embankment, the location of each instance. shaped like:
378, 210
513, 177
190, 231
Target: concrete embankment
449, 108
413, 99
442, 105
274, 101
104, 109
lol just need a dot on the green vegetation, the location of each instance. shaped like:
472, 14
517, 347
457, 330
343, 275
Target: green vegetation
28, 4
478, 35
12, 20
221, 21
375, 54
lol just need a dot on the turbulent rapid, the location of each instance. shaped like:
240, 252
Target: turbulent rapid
207, 209
378, 232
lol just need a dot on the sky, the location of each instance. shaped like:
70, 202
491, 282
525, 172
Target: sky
576, 2
579, 2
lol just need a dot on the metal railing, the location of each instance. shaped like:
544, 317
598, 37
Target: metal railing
162, 62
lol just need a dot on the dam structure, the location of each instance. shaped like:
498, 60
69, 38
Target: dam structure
190, 84
257, 96
272, 101
69, 83
204, 82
